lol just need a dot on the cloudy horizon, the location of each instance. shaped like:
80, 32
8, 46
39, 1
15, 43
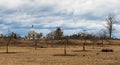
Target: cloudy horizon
71, 15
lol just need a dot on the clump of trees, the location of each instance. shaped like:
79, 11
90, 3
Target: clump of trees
83, 36
55, 35
50, 36
58, 35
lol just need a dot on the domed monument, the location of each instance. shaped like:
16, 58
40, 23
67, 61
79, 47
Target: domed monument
33, 35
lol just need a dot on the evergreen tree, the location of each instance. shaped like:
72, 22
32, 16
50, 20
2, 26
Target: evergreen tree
58, 33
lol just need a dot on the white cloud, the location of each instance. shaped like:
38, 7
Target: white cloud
3, 27
10, 3
53, 13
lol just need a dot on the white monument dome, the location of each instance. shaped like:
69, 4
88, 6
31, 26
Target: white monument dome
32, 34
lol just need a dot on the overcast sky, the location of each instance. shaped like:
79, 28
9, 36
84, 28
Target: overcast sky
71, 15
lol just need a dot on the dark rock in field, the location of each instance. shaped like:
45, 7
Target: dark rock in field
107, 50
83, 55
97, 53
43, 47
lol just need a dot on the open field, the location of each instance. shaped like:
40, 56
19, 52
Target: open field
45, 56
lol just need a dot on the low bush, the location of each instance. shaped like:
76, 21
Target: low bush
107, 50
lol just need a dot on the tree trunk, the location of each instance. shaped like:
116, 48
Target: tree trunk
52, 43
93, 45
46, 42
84, 45
35, 45
7, 45
102, 42
65, 47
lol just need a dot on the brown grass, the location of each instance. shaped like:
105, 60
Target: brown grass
64, 55
24, 54
44, 56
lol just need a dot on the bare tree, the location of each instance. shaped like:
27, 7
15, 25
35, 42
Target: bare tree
94, 40
45, 40
16, 37
103, 35
36, 43
110, 21
39, 36
8, 40
65, 44
84, 38
50, 36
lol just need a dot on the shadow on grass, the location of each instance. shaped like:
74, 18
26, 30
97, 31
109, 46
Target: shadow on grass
81, 51
9, 52
64, 55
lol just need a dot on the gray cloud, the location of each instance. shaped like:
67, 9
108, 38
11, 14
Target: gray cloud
19, 15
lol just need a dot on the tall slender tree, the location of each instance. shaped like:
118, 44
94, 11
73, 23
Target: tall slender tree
110, 21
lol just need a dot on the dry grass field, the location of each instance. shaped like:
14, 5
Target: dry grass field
45, 56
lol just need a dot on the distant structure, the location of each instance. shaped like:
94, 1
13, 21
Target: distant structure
33, 35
